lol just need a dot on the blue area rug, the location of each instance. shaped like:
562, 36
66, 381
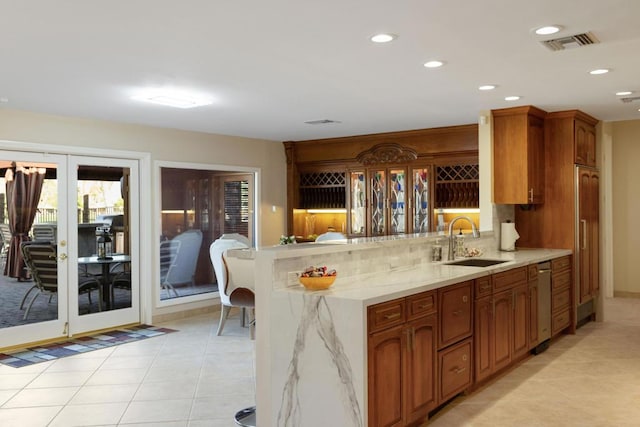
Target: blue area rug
29, 356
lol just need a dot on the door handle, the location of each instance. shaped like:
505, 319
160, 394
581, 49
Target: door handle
63, 256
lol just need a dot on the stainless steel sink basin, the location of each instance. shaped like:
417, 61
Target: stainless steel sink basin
476, 262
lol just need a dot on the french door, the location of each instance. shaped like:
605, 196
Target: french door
81, 199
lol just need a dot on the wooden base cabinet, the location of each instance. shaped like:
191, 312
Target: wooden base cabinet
402, 360
502, 321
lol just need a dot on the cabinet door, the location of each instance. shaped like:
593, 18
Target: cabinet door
420, 201
397, 201
483, 338
502, 327
585, 144
455, 313
520, 320
535, 164
386, 374
518, 155
378, 202
357, 218
588, 224
420, 380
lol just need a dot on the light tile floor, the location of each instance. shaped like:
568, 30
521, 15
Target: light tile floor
193, 378
189, 378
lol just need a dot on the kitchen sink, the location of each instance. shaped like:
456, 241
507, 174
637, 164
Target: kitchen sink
476, 262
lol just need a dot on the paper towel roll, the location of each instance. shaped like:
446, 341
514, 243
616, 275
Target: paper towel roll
508, 236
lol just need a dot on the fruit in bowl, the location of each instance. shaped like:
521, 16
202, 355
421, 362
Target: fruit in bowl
317, 278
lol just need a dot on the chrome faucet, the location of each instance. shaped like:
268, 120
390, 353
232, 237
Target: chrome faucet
476, 233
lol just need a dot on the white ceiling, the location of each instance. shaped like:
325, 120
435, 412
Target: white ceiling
271, 65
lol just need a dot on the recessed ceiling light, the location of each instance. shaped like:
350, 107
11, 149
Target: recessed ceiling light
511, 98
487, 87
433, 64
383, 38
172, 98
624, 93
547, 30
599, 71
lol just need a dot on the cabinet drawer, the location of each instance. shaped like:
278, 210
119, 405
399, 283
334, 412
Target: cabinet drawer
559, 264
455, 313
509, 278
532, 272
560, 321
455, 370
561, 280
385, 315
483, 287
560, 300
421, 304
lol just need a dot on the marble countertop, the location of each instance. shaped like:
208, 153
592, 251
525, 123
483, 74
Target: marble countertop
404, 281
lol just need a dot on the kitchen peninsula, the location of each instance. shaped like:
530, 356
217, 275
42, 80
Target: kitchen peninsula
314, 349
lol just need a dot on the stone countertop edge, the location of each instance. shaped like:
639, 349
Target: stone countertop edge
376, 288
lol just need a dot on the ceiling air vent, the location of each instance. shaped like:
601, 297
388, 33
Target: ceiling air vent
630, 99
321, 122
570, 42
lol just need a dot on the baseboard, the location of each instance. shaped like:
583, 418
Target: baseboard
167, 317
625, 294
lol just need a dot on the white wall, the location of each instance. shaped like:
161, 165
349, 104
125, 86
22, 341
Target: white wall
625, 201
168, 145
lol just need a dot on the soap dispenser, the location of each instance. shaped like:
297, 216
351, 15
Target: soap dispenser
460, 244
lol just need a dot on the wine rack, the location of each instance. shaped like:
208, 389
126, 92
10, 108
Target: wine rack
457, 186
322, 190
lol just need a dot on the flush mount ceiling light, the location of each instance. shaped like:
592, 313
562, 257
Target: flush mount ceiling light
547, 30
433, 64
172, 98
486, 87
383, 38
624, 93
599, 71
511, 98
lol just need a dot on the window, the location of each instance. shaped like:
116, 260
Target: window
198, 206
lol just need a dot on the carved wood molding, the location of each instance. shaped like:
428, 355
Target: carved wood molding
387, 152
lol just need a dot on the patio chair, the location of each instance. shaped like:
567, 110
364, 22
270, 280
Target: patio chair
44, 233
5, 237
169, 250
42, 261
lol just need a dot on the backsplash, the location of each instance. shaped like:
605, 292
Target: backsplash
390, 254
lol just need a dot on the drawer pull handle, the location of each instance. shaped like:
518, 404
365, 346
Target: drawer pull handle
459, 370
423, 306
391, 316
484, 288
457, 313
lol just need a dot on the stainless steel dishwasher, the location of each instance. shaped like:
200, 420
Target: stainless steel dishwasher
544, 307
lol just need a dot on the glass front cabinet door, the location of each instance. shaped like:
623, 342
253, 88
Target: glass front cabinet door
420, 203
357, 218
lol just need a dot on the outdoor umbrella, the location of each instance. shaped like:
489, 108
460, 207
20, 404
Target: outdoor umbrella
24, 186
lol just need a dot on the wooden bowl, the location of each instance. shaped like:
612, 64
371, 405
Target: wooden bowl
317, 283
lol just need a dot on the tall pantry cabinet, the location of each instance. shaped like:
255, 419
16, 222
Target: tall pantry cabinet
569, 217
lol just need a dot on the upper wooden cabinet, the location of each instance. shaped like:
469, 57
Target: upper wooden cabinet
518, 155
386, 183
585, 143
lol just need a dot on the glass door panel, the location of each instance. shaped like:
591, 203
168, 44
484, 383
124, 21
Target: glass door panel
105, 243
357, 200
32, 307
378, 202
420, 211
397, 191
